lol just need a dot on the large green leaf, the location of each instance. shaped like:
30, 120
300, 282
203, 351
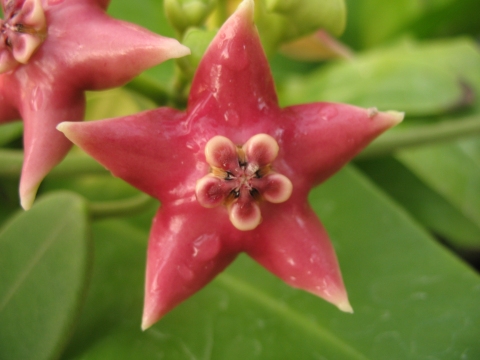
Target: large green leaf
372, 22
45, 257
452, 174
412, 298
10, 132
408, 77
445, 218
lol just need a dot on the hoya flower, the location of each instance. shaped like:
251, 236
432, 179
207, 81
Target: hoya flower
50, 52
233, 173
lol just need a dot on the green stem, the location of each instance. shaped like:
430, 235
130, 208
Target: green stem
123, 207
73, 165
422, 135
150, 89
180, 86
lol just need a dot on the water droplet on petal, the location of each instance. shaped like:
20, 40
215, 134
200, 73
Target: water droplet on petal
206, 247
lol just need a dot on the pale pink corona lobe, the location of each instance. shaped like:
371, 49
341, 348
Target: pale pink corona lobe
182, 158
51, 53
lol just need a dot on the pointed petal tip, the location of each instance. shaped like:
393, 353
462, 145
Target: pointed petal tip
247, 6
396, 116
345, 306
390, 118
146, 324
27, 198
174, 48
66, 128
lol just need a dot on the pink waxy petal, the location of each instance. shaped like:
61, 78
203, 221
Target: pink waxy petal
276, 188
145, 149
110, 60
220, 152
235, 56
184, 253
44, 146
7, 61
245, 214
331, 134
211, 191
163, 153
48, 86
295, 247
261, 149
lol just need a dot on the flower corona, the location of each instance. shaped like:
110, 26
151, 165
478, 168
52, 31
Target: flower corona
241, 177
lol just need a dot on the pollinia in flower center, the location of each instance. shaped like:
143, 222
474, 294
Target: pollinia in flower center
241, 177
22, 31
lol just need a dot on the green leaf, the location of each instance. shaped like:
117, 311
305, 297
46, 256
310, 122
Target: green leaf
45, 257
428, 206
412, 298
452, 174
372, 22
404, 78
10, 132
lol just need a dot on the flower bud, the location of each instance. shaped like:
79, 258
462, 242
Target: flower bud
306, 16
197, 40
183, 14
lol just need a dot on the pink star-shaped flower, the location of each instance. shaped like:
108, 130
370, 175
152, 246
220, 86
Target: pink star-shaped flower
233, 173
53, 50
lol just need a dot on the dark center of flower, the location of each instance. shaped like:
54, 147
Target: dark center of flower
21, 32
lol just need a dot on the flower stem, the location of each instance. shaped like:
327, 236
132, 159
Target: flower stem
150, 89
73, 165
422, 135
124, 207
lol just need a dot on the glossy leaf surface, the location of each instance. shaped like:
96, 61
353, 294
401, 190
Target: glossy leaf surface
412, 299
408, 77
45, 255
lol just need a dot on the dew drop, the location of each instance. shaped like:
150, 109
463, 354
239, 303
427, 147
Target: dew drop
185, 272
206, 247
232, 117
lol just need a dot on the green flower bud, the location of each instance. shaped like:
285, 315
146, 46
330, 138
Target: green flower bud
197, 40
183, 14
305, 16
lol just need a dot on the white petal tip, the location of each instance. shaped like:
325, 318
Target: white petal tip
246, 5
146, 325
345, 307
179, 50
65, 127
396, 117
27, 199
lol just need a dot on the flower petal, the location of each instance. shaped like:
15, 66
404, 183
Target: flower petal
275, 188
33, 15
44, 146
261, 149
99, 62
245, 214
295, 247
331, 134
25, 46
184, 253
220, 152
148, 150
233, 79
211, 191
